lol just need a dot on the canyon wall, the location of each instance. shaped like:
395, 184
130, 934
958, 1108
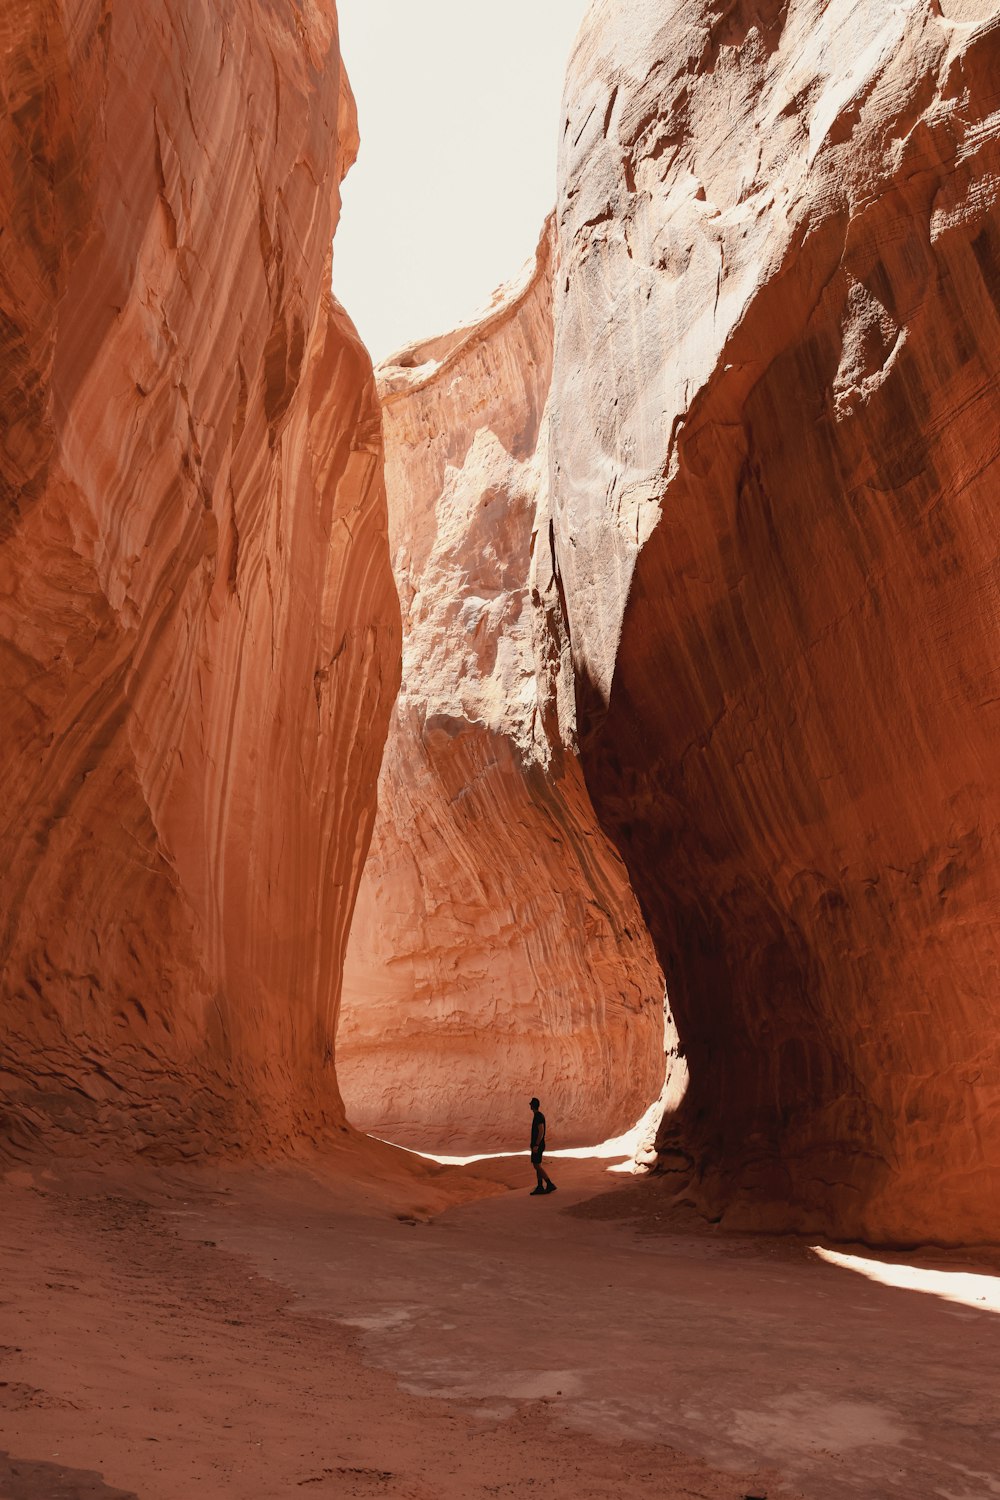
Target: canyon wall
199, 633
775, 442
497, 950
720, 517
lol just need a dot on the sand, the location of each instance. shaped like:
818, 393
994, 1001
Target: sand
257, 1331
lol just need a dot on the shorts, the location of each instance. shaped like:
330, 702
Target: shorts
536, 1156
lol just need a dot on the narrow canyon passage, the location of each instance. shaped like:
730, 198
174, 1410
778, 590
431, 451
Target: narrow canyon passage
600, 700
497, 949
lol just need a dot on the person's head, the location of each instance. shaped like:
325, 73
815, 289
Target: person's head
534, 1103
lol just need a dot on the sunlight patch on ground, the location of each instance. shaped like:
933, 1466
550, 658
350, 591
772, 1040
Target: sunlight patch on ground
620, 1151
606, 1149
970, 1288
628, 1153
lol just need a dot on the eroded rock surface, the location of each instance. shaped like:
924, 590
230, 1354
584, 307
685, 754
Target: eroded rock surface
775, 457
198, 629
497, 950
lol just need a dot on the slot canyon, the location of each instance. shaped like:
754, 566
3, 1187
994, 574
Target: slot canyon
496, 947
599, 700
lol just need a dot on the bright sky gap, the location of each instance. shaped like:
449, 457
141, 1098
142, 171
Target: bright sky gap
459, 113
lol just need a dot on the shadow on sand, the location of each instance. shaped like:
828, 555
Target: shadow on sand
32, 1479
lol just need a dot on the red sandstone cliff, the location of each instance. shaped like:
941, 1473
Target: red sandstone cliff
772, 482
497, 950
775, 457
198, 628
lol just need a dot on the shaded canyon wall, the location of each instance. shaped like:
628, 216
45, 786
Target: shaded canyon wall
497, 950
775, 443
199, 634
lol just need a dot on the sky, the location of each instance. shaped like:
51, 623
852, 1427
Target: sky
459, 113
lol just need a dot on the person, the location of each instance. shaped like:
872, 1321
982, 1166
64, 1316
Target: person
545, 1183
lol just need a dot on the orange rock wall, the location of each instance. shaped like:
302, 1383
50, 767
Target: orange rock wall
199, 635
776, 483
497, 950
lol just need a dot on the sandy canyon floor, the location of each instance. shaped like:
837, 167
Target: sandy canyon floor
255, 1333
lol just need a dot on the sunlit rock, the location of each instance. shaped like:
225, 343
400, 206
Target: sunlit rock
497, 950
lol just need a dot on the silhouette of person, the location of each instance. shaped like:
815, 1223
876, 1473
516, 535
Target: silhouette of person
545, 1183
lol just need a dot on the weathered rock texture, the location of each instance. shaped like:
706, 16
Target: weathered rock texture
198, 630
776, 433
497, 950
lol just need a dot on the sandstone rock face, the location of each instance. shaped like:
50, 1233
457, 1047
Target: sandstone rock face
198, 629
497, 950
775, 458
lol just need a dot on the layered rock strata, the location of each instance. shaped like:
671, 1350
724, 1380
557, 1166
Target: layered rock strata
199, 634
775, 457
497, 950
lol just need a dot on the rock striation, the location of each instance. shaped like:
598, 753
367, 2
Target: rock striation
497, 950
703, 511
775, 419
199, 634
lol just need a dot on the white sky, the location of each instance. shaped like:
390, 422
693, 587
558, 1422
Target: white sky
459, 111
